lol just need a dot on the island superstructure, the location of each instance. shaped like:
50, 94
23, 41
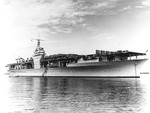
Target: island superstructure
121, 63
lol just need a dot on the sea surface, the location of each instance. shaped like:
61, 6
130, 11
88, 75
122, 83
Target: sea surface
72, 95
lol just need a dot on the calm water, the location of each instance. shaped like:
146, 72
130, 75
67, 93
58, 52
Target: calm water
74, 95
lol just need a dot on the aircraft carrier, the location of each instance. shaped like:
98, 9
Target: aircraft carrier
120, 63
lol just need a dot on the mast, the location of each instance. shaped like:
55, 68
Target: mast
38, 42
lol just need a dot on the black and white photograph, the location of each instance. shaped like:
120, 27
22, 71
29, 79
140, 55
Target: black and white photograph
75, 56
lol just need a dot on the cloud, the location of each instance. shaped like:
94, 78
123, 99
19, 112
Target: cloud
100, 5
125, 8
61, 15
143, 4
106, 36
33, 12
146, 3
88, 27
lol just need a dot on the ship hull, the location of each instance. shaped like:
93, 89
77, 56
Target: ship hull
130, 68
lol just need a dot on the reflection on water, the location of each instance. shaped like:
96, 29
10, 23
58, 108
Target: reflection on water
74, 95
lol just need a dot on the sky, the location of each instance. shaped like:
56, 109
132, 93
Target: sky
72, 26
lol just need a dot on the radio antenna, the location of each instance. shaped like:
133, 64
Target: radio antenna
38, 41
